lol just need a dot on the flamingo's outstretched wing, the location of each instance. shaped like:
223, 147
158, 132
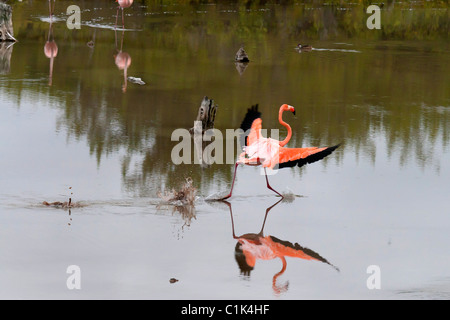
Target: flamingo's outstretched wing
288, 249
246, 125
255, 132
291, 157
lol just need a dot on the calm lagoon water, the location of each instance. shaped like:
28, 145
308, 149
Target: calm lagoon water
80, 130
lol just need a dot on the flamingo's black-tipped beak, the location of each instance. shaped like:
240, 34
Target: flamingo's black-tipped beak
290, 108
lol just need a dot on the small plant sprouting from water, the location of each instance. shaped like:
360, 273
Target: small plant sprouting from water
181, 201
185, 196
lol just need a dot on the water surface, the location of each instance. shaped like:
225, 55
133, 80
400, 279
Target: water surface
74, 127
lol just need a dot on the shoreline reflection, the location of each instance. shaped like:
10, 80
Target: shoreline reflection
6, 49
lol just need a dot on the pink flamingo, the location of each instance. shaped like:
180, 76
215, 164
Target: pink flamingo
50, 48
270, 152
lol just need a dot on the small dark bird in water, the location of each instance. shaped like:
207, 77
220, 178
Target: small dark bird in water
241, 55
304, 47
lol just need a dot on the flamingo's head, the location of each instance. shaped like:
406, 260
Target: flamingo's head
286, 107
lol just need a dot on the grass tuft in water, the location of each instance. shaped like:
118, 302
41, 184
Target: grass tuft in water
185, 196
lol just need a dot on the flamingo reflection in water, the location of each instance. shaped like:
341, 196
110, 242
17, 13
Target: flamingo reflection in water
255, 246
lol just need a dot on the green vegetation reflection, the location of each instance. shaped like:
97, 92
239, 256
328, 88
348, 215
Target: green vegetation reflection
362, 85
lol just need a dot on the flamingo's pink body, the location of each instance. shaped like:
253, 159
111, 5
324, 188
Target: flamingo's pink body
261, 152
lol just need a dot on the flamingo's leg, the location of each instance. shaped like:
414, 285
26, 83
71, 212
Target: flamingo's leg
232, 184
117, 17
268, 185
50, 9
123, 21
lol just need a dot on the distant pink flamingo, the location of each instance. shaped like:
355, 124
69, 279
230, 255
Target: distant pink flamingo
270, 152
122, 5
50, 48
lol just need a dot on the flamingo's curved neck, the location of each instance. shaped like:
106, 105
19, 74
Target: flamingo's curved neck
288, 127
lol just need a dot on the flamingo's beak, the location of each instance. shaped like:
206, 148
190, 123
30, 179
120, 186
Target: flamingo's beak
291, 109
